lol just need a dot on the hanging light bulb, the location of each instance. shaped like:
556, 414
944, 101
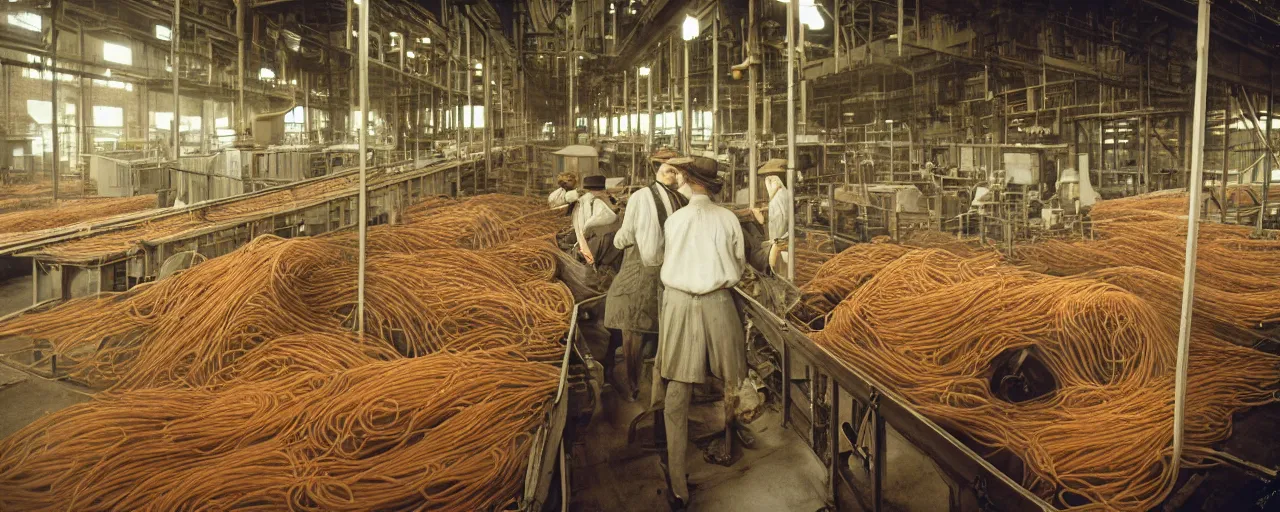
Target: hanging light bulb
689, 28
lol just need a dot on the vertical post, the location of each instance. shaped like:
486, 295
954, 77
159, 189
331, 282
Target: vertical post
1193, 229
649, 101
570, 64
835, 13
53, 33
84, 141
715, 88
753, 152
487, 117
306, 106
364, 158
1271, 156
881, 456
1146, 154
688, 116
639, 109
793, 14
471, 111
174, 36
900, 27
418, 130
1226, 153
241, 7
626, 106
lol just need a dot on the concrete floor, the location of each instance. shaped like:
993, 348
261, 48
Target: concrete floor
779, 473
15, 294
27, 397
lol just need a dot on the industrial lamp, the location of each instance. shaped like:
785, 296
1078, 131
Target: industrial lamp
689, 29
644, 71
809, 15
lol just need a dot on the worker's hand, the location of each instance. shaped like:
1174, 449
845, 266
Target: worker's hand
755, 212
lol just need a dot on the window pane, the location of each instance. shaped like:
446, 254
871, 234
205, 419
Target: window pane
27, 21
118, 54
108, 117
41, 111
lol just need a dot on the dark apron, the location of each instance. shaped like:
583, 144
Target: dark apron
634, 295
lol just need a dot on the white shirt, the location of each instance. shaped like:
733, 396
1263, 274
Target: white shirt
592, 212
780, 211
703, 248
561, 197
640, 225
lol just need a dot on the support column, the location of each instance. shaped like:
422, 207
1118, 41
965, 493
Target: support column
53, 32
174, 37
753, 153
364, 158
793, 14
1193, 228
241, 7
1271, 156
488, 112
715, 85
1226, 154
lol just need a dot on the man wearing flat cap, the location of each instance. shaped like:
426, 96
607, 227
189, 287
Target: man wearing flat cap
699, 325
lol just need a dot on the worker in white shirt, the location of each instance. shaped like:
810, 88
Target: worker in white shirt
593, 218
631, 309
781, 208
699, 323
565, 192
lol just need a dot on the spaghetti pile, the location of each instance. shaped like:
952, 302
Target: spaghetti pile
19, 225
929, 324
442, 432
424, 294
238, 384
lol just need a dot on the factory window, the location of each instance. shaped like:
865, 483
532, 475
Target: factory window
163, 33
477, 117
191, 123
40, 111
46, 74
295, 120
162, 120
113, 84
117, 53
108, 117
266, 74
27, 21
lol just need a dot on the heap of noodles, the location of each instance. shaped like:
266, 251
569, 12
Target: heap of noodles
439, 432
239, 383
929, 324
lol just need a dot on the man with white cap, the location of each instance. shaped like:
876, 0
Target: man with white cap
631, 309
699, 324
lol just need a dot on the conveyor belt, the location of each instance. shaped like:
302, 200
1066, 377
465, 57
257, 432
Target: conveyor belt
121, 236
